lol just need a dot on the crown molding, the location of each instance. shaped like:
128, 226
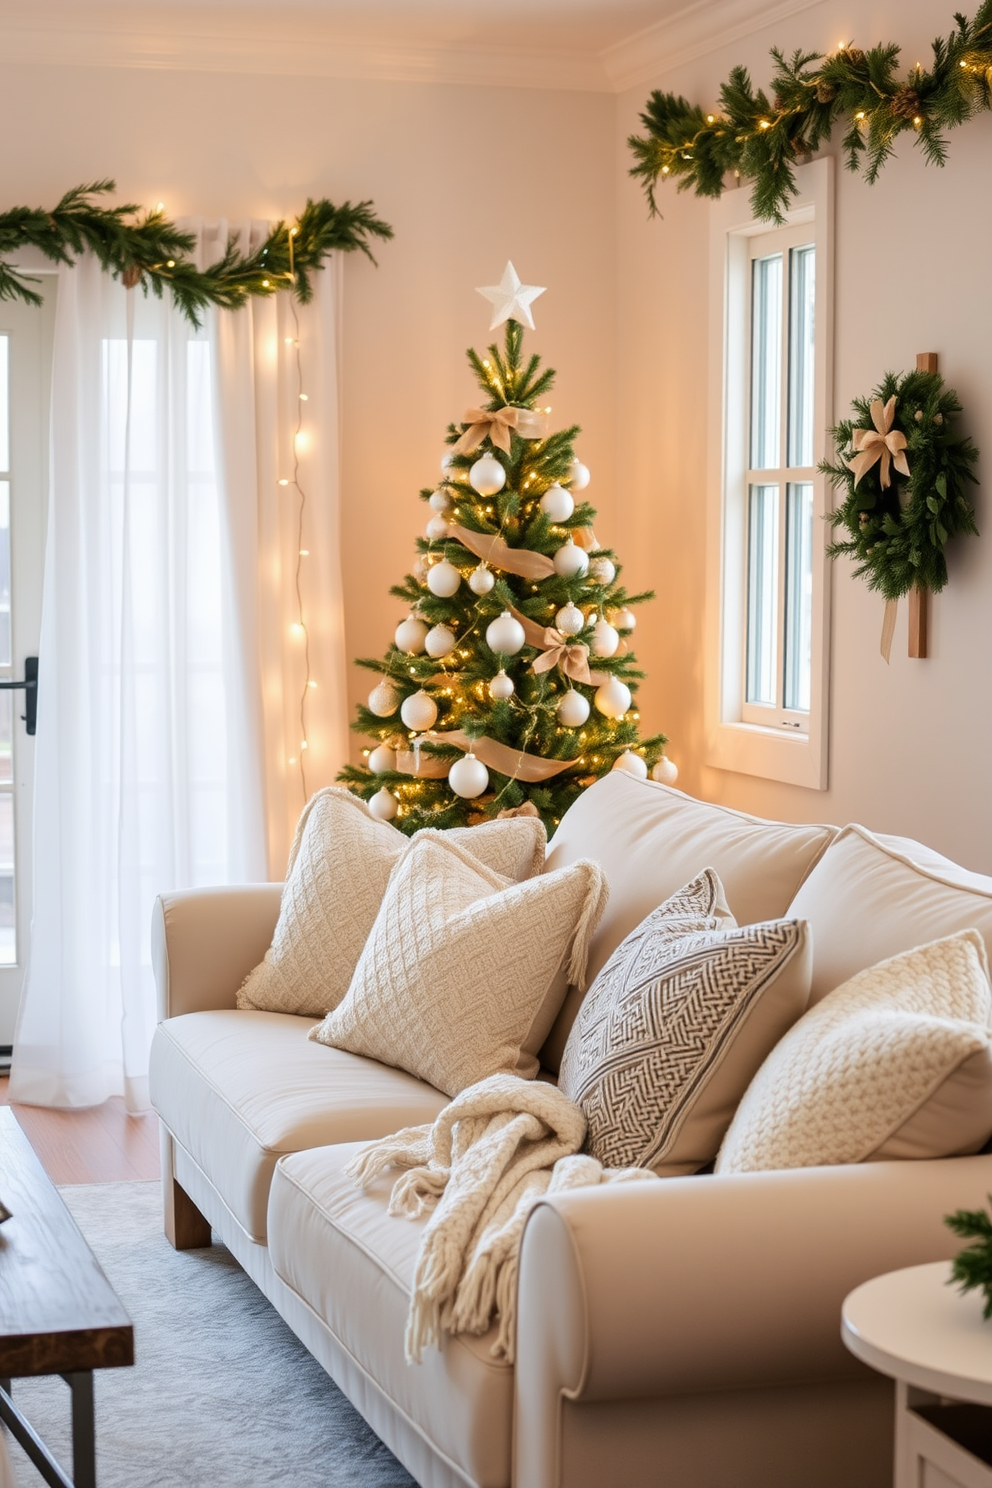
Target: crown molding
693, 32
241, 40
64, 40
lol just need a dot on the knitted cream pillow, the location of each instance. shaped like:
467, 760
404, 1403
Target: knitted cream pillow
457, 980
675, 1026
339, 866
895, 1063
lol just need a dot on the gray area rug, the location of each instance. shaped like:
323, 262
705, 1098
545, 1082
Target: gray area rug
222, 1394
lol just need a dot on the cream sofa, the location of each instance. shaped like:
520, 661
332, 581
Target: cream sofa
683, 1333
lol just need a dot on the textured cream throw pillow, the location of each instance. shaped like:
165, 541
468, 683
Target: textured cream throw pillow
339, 866
675, 1026
457, 980
896, 1063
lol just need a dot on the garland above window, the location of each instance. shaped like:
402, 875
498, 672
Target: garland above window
762, 140
146, 248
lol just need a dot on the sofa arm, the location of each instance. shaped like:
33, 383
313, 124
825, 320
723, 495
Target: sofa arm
206, 941
707, 1283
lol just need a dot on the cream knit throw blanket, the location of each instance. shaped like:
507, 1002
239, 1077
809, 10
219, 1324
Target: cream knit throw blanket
499, 1147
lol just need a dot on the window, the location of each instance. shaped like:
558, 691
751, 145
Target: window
767, 582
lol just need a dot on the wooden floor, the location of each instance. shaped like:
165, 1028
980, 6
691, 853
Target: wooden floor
100, 1145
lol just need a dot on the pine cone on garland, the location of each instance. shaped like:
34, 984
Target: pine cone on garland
825, 92
905, 104
853, 56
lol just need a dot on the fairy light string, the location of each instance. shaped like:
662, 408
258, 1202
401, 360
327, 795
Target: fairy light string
300, 627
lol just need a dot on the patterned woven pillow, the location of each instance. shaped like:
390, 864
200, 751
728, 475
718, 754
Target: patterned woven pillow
896, 1063
339, 866
675, 1026
457, 980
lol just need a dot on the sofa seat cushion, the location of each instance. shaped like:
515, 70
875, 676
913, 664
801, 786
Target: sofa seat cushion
870, 898
240, 1089
338, 1249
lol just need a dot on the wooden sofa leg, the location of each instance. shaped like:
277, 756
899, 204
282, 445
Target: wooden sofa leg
185, 1227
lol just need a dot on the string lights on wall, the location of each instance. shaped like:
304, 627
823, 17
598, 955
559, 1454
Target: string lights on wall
300, 437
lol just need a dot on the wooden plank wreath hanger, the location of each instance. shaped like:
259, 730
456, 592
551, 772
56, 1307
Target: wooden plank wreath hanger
926, 361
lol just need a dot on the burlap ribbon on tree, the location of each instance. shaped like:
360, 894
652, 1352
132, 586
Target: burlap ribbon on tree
495, 424
571, 656
523, 562
881, 443
532, 769
494, 551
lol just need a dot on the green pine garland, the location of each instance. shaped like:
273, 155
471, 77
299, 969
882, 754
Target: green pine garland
898, 532
762, 139
972, 1267
146, 248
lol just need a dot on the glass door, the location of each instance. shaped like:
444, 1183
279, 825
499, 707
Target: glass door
25, 377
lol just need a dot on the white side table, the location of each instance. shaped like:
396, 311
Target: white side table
936, 1345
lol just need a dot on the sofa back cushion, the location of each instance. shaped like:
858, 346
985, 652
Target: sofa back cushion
650, 840
870, 897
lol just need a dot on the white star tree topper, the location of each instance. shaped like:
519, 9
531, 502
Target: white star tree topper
510, 299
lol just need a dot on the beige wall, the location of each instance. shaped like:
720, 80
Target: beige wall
471, 176
468, 177
909, 742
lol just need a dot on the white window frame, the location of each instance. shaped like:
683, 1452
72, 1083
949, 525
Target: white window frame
734, 738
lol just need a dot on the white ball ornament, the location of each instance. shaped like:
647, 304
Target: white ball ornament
446, 462
481, 580
437, 528
383, 700
468, 777
666, 771
613, 698
487, 475
501, 687
633, 764
602, 570
419, 711
578, 475
440, 641
624, 619
384, 805
570, 619
573, 709
443, 579
605, 639
411, 636
381, 759
439, 501
505, 634
570, 560
556, 504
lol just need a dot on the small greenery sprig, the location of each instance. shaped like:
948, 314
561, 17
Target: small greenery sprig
762, 139
972, 1267
897, 532
146, 248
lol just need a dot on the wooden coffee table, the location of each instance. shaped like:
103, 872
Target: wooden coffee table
58, 1312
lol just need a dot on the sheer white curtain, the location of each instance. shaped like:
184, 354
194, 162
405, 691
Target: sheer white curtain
168, 663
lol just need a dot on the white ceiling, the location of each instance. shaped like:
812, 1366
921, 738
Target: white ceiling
600, 45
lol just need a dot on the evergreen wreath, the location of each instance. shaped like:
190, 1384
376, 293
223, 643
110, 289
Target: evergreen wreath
906, 475
972, 1267
761, 139
146, 248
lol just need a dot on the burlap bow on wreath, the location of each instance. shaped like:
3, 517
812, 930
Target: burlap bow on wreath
881, 443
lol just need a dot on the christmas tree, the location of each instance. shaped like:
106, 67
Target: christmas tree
510, 685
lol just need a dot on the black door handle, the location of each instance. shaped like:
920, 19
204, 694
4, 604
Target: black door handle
30, 685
